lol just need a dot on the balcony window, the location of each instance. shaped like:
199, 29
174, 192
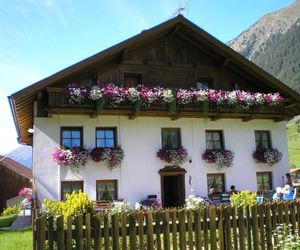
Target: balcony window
214, 140
106, 138
106, 190
263, 139
204, 83
67, 187
171, 138
132, 80
71, 137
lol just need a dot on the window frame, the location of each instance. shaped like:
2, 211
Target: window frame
138, 75
62, 183
179, 136
269, 138
222, 139
115, 134
223, 181
80, 129
208, 80
270, 173
107, 181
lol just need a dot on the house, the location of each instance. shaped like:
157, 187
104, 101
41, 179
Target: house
13, 177
176, 54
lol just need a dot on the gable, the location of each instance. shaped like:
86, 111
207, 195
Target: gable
173, 54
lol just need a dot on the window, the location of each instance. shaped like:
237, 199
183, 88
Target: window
214, 139
170, 138
204, 83
68, 187
71, 137
132, 80
262, 139
235, 86
106, 190
215, 183
264, 181
106, 137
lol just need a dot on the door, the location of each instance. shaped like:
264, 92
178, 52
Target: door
173, 191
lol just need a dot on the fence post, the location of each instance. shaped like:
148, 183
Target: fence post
269, 226
115, 231
158, 216
123, 231
106, 231
149, 223
60, 233
41, 222
212, 223
255, 227
197, 220
132, 231
241, 228
88, 232
182, 231
79, 233
174, 228
261, 226
166, 225
228, 240
69, 235
97, 231
50, 233
190, 228
221, 227
141, 230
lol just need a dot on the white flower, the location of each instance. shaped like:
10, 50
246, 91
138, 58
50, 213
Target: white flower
96, 93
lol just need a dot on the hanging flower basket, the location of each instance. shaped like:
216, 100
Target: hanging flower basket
173, 156
267, 156
222, 158
112, 156
73, 158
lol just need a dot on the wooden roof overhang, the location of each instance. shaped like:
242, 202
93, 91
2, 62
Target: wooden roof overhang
22, 101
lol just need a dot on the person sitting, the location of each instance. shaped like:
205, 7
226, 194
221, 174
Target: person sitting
288, 193
233, 190
278, 194
289, 179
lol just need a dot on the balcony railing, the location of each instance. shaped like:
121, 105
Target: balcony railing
58, 102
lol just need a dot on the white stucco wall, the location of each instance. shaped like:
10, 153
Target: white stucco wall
140, 140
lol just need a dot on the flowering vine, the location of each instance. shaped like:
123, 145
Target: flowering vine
222, 158
174, 156
73, 157
268, 156
146, 96
112, 156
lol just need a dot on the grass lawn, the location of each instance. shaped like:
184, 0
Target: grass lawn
16, 240
294, 142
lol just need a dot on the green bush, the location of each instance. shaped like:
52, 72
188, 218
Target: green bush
7, 220
15, 209
243, 198
75, 204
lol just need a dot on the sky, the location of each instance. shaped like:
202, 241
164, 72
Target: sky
41, 37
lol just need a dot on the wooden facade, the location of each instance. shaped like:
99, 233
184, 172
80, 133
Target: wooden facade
13, 177
175, 54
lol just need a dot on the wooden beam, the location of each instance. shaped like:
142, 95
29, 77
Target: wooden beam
121, 57
224, 63
173, 32
247, 118
215, 118
206, 51
280, 119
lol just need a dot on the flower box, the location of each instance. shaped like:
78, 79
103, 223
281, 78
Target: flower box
173, 156
267, 156
112, 156
222, 158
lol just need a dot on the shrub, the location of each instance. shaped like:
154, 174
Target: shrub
193, 202
119, 207
243, 198
75, 204
7, 220
15, 209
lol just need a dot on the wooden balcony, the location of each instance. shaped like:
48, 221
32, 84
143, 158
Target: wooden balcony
58, 103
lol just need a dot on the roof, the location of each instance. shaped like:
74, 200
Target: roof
16, 167
21, 102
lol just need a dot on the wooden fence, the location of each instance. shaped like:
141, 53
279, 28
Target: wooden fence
213, 227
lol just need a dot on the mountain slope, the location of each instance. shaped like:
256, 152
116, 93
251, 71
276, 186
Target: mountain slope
281, 57
253, 41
